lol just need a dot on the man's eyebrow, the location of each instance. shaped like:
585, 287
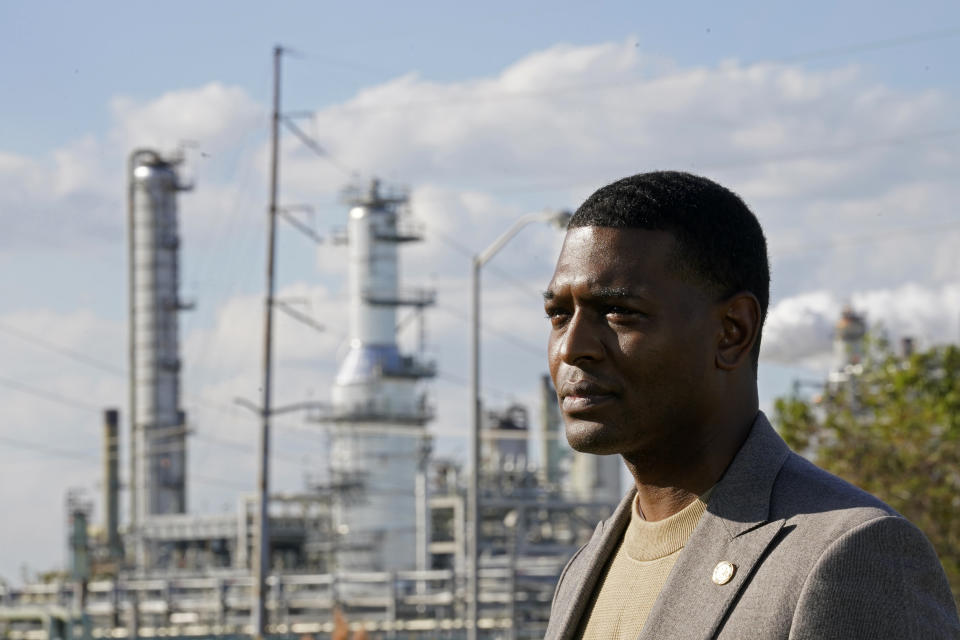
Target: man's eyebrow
600, 292
612, 292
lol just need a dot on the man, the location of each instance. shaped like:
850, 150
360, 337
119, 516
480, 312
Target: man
656, 307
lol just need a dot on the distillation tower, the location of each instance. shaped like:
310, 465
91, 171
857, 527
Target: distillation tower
158, 481
379, 407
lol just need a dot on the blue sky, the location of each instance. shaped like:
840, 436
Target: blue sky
62, 61
835, 121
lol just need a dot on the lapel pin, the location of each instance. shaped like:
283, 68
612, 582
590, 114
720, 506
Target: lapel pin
723, 572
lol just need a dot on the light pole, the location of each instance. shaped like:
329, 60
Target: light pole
559, 219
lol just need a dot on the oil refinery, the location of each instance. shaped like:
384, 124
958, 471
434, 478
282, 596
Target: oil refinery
382, 543
396, 542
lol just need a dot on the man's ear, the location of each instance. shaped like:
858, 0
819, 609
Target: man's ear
739, 327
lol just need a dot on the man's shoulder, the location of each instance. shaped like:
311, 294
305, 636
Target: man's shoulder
767, 481
806, 495
844, 564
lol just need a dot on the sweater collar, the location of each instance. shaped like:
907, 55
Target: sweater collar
645, 541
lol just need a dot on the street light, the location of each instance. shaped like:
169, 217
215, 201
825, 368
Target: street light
560, 220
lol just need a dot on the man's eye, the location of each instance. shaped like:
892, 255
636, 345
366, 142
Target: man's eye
557, 316
624, 312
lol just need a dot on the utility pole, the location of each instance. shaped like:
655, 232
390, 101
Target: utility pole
473, 490
262, 557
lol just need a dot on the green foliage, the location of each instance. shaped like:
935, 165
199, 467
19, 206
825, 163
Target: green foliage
892, 429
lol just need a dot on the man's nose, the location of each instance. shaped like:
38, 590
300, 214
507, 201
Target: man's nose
581, 340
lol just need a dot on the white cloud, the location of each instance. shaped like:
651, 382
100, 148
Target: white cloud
58, 202
819, 154
76, 196
212, 117
813, 151
929, 315
232, 343
800, 329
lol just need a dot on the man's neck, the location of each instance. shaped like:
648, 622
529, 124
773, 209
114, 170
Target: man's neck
673, 482
662, 502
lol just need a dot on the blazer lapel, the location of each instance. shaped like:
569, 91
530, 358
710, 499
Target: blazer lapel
580, 578
735, 529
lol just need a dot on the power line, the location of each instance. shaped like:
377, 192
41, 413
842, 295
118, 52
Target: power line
500, 273
454, 379
223, 226
227, 408
84, 406
857, 47
873, 45
231, 409
76, 454
246, 448
838, 150
351, 65
523, 345
240, 248
221, 482
866, 238
800, 154
314, 146
48, 395
64, 351
53, 451
569, 184
860, 47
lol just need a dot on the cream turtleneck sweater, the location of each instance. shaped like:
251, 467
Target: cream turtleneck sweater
634, 577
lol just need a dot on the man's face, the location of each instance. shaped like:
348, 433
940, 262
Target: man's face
632, 345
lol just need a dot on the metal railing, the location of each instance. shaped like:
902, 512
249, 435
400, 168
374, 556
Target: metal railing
419, 604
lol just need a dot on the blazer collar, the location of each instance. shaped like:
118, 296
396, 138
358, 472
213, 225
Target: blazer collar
742, 497
573, 602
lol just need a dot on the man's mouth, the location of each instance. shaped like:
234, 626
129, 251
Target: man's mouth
578, 404
583, 396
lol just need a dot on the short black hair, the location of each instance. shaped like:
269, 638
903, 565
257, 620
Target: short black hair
719, 240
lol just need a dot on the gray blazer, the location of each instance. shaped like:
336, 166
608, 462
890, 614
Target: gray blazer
814, 558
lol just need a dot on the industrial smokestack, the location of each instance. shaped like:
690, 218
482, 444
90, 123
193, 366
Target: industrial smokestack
906, 347
849, 337
111, 481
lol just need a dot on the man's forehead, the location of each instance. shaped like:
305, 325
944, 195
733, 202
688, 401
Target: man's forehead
615, 259
617, 237
606, 245
609, 284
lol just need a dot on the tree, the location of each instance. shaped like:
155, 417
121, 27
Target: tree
892, 427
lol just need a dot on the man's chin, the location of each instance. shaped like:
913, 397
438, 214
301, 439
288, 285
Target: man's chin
591, 437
